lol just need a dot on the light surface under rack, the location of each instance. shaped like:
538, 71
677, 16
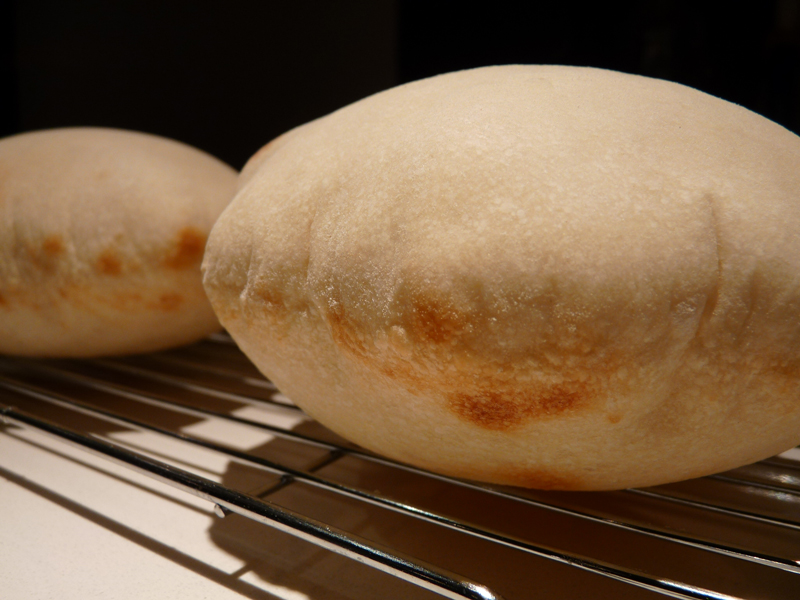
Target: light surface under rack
111, 472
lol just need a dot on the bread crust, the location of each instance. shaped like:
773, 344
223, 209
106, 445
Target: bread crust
102, 233
552, 277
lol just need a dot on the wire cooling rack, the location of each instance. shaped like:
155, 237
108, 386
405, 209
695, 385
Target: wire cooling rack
413, 533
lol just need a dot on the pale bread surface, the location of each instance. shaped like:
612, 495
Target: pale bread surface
102, 232
543, 276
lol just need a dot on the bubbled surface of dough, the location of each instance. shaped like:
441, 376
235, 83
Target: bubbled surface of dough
552, 277
101, 237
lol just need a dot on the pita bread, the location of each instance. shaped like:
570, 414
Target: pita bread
101, 236
551, 277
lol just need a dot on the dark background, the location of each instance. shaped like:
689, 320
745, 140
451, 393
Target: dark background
229, 77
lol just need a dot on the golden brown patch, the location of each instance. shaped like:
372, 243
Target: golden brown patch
490, 393
3, 300
273, 300
43, 256
542, 479
169, 302
784, 377
434, 321
499, 410
124, 301
435, 352
786, 368
281, 311
53, 245
109, 263
614, 418
344, 334
414, 381
188, 249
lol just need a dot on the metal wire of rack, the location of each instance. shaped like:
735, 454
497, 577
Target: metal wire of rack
734, 535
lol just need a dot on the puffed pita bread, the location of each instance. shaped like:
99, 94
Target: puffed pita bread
102, 233
543, 276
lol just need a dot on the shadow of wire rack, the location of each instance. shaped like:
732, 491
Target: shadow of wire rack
111, 471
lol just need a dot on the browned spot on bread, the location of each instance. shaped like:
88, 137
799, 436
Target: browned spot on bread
344, 334
786, 368
169, 302
44, 256
413, 380
3, 300
53, 245
125, 301
501, 410
488, 409
784, 377
491, 393
109, 263
542, 479
273, 299
435, 321
187, 250
279, 309
614, 418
